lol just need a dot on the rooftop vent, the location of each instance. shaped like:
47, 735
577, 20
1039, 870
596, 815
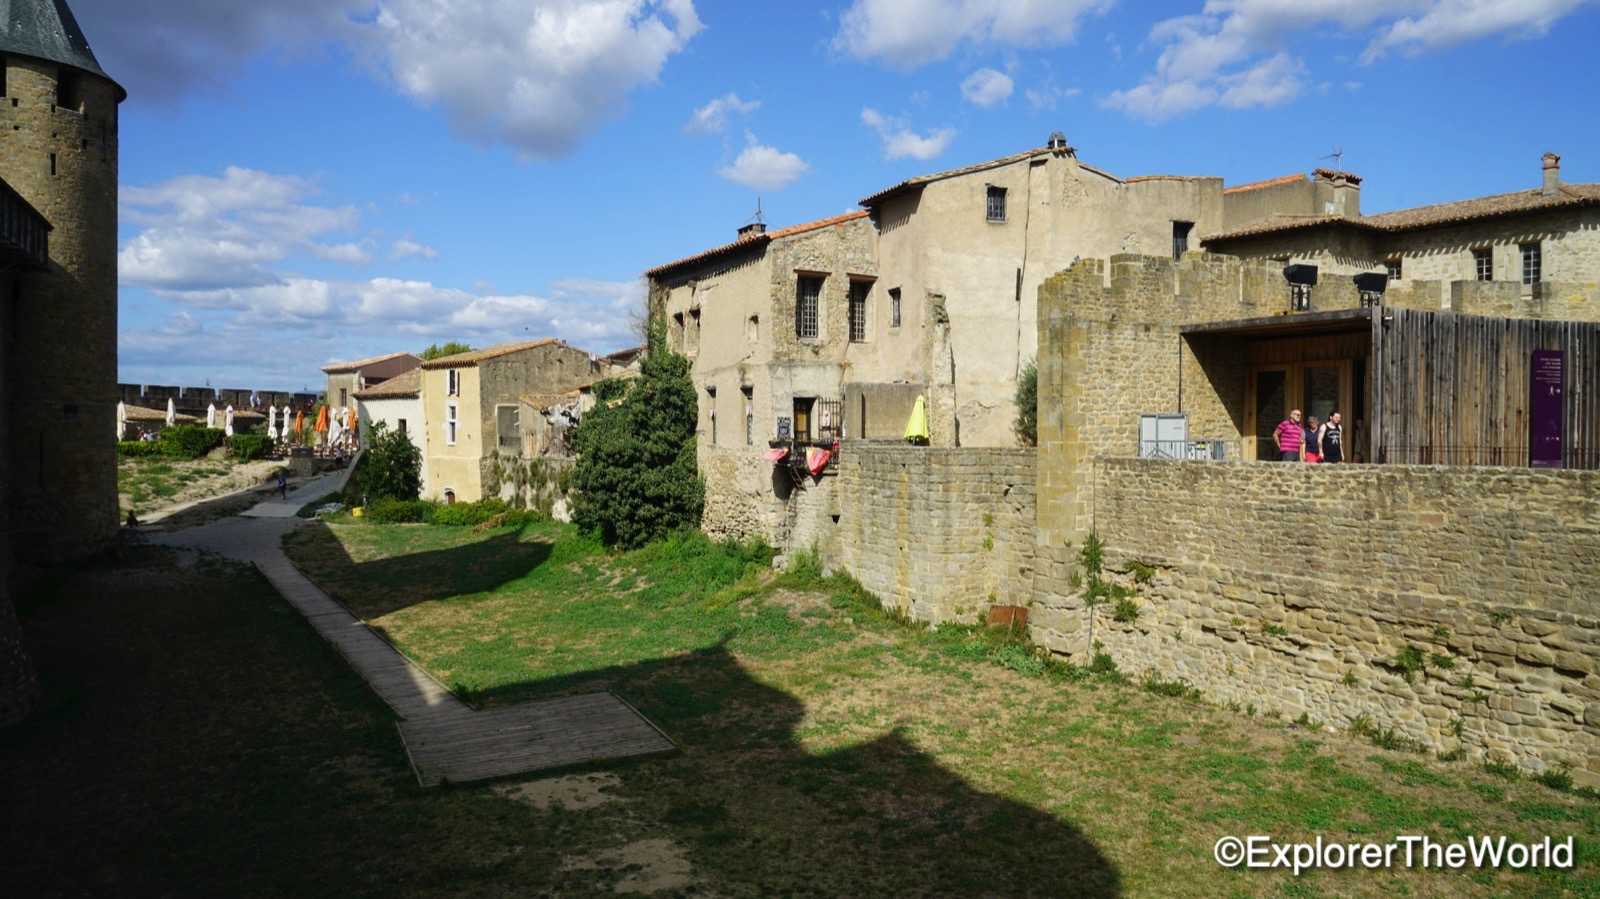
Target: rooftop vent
1058, 141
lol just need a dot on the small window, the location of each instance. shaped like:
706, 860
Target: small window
344, 396
401, 427
1396, 269
453, 382
749, 416
1483, 263
996, 210
894, 307
450, 424
858, 310
808, 295
1532, 264
1180, 238
68, 91
711, 411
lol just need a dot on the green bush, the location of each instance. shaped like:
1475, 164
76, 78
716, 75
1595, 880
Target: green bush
246, 447
391, 467
386, 510
190, 441
636, 479
480, 512
1027, 402
138, 449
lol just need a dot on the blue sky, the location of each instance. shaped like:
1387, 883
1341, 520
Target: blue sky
309, 181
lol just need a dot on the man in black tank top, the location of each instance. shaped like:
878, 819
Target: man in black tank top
1331, 439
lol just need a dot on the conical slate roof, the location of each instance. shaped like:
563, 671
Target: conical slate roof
46, 29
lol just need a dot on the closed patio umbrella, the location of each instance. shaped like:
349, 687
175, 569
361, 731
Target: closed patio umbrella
917, 425
211, 415
172, 412
227, 422
122, 419
299, 421
272, 423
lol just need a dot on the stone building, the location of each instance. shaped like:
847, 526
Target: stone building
472, 408
1531, 253
58, 287
346, 379
832, 329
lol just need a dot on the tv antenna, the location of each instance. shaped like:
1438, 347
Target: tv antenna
1338, 159
757, 217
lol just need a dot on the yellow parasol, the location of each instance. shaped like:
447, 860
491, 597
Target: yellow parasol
917, 425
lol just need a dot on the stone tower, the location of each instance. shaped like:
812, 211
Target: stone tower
58, 303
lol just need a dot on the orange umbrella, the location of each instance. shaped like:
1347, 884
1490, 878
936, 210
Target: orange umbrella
322, 419
299, 421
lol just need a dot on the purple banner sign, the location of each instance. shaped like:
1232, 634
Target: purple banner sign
1546, 409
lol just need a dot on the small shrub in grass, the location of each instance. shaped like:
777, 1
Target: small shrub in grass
470, 514
1178, 688
1508, 770
385, 510
138, 449
189, 441
246, 447
1558, 779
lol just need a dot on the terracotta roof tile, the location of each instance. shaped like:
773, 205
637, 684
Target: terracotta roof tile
1569, 195
1257, 185
912, 183
473, 357
408, 383
759, 240
359, 364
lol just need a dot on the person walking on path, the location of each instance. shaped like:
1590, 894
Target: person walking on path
283, 486
1290, 439
1330, 439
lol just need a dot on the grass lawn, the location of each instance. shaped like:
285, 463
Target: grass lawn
198, 738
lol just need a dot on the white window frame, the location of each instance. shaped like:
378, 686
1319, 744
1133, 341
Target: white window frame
452, 382
451, 421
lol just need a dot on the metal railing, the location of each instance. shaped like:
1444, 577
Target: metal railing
1208, 449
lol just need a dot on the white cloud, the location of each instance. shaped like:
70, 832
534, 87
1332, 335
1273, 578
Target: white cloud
537, 77
764, 168
713, 116
201, 231
906, 34
163, 50
899, 141
407, 249
294, 326
1235, 52
1450, 22
986, 87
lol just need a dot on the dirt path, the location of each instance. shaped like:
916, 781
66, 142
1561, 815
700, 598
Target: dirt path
163, 488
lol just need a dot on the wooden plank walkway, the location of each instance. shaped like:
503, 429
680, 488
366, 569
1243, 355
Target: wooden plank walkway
445, 738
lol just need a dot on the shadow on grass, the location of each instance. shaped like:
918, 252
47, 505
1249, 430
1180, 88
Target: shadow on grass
374, 589
760, 811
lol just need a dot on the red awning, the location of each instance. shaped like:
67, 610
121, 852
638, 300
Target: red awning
774, 454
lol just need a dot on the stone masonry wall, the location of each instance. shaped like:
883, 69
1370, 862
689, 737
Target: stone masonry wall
938, 533
1303, 589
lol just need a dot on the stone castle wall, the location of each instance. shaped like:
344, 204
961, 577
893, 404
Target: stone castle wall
1303, 589
938, 533
61, 392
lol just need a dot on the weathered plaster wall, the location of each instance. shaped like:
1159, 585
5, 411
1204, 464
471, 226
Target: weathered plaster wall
1298, 588
938, 533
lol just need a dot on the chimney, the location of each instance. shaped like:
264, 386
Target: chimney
1337, 193
754, 229
1552, 174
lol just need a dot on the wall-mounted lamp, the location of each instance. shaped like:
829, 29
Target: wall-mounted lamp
1301, 279
1371, 285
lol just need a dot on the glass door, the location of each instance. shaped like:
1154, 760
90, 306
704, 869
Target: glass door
1267, 405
